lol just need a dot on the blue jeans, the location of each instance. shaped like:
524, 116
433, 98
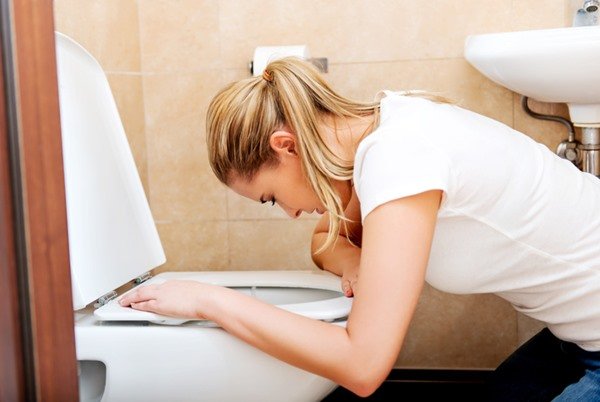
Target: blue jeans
547, 369
588, 386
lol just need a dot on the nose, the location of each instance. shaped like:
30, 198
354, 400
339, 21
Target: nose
292, 213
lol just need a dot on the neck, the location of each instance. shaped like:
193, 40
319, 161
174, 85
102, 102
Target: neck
343, 134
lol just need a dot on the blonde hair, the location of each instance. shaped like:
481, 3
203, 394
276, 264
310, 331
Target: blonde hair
292, 93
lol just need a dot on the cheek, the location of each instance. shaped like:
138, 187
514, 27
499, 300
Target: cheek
301, 191
309, 194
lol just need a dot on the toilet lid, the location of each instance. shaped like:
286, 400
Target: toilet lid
112, 235
322, 298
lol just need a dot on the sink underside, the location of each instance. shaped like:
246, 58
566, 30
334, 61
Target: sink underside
550, 65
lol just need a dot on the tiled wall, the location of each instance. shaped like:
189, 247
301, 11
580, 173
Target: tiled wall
165, 59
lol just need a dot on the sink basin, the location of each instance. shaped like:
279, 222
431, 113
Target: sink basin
550, 65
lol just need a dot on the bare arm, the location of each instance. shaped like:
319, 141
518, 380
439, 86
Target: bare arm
396, 241
342, 258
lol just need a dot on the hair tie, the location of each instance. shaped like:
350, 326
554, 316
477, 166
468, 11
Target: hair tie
267, 76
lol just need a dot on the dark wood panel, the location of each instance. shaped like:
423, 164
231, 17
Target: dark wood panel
12, 374
53, 340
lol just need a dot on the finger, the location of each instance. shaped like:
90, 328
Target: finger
149, 305
350, 293
133, 297
126, 299
130, 298
346, 287
141, 294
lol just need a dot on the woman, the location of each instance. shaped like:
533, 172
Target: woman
411, 189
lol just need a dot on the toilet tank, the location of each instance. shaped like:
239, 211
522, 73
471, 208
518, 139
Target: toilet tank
112, 235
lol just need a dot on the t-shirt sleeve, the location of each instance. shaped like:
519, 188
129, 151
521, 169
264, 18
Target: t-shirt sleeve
391, 165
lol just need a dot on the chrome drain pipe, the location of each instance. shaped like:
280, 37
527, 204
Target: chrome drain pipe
585, 154
589, 150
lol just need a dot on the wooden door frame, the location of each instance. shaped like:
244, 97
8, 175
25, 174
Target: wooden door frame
12, 370
37, 359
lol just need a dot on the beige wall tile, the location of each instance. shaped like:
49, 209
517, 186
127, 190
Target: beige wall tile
194, 246
453, 78
127, 91
270, 244
466, 331
108, 29
182, 185
233, 74
179, 35
533, 14
180, 98
357, 31
527, 327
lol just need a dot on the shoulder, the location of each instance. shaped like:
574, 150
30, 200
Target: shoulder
403, 135
390, 165
410, 105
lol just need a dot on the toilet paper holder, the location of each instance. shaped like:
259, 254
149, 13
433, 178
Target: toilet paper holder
320, 62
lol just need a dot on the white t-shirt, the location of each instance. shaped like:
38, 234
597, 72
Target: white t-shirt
515, 220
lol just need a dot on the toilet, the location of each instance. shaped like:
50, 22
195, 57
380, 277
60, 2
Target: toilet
129, 355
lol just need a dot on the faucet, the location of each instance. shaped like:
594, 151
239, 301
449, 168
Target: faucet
591, 6
587, 15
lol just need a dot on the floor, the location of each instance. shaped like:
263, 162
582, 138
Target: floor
430, 384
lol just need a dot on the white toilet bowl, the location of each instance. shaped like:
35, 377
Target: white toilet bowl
128, 355
138, 360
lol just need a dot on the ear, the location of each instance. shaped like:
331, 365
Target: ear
283, 143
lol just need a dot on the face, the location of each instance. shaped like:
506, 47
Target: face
283, 184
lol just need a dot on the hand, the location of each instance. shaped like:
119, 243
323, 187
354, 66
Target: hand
175, 298
350, 280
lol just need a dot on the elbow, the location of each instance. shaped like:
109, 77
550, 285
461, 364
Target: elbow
365, 382
365, 387
365, 390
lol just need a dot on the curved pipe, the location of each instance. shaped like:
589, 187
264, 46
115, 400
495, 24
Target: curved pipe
558, 119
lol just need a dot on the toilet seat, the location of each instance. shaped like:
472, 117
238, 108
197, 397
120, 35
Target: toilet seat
331, 305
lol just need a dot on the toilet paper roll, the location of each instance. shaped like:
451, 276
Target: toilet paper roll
263, 55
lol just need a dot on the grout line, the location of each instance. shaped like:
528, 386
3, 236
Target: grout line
146, 141
194, 221
227, 198
513, 109
397, 60
140, 42
228, 228
349, 63
122, 72
220, 32
228, 224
